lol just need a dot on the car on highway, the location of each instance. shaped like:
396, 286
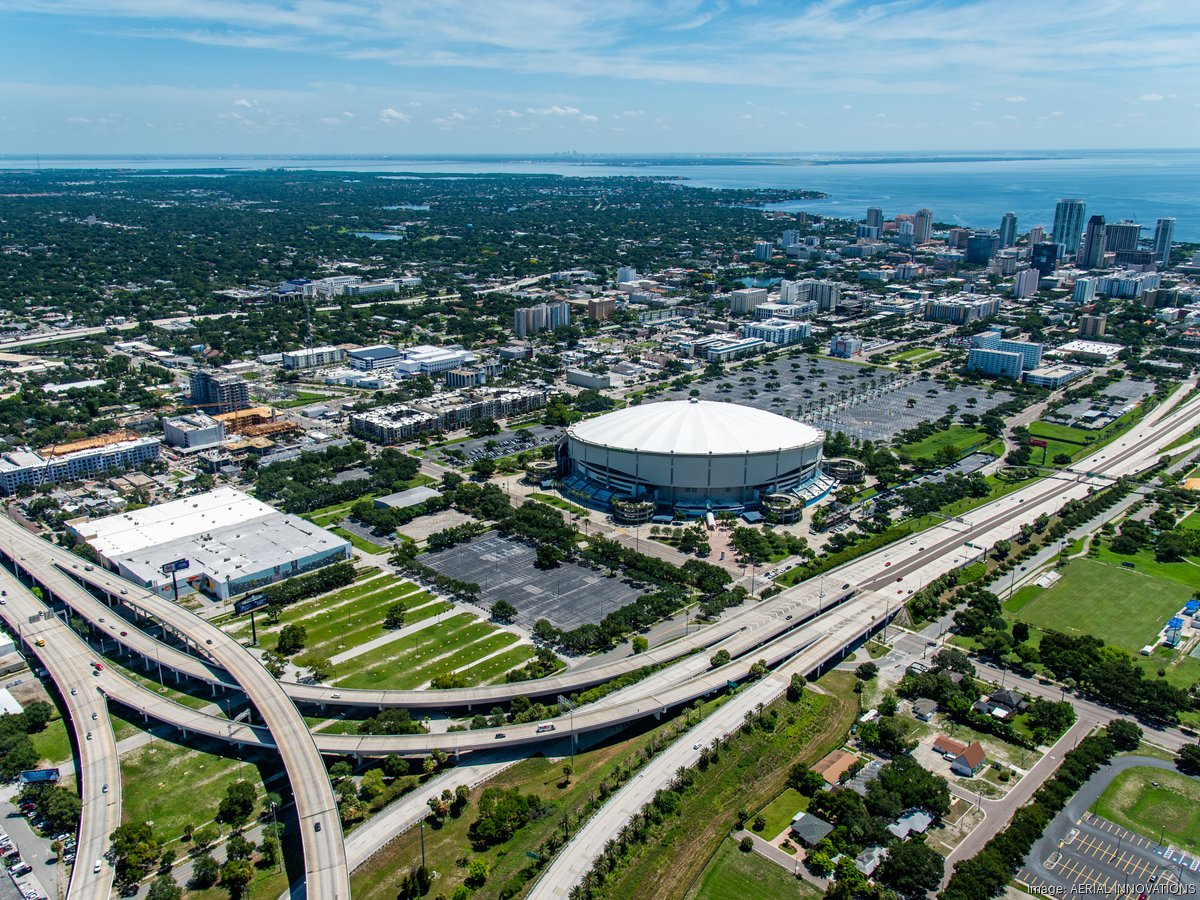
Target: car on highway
3, 602
697, 745
89, 735
96, 867
500, 734
74, 691
124, 634
104, 790
41, 642
316, 826
97, 665
542, 729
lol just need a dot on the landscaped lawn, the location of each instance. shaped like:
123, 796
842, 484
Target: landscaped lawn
918, 355
52, 743
1122, 607
495, 668
780, 812
958, 436
560, 503
734, 875
1183, 572
1170, 811
359, 543
1191, 522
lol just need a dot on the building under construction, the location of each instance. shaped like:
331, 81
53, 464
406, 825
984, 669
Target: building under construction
257, 421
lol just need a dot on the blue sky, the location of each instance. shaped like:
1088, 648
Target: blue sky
514, 76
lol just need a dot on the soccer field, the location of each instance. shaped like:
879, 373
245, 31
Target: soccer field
1122, 607
1155, 803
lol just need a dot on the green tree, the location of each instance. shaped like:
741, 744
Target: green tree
477, 872
205, 871
503, 611
866, 671
394, 618
484, 468
164, 888
1188, 759
1124, 734
291, 639
912, 869
720, 658
746, 844
268, 850
238, 803
136, 850
37, 714
640, 644
236, 874
547, 557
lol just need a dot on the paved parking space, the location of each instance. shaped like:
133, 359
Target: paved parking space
1097, 856
506, 443
569, 595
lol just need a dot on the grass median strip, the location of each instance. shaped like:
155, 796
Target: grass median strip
380, 664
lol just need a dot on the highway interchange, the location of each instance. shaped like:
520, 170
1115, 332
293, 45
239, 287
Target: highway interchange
800, 629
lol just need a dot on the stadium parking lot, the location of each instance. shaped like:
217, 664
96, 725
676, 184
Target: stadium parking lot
1098, 857
569, 595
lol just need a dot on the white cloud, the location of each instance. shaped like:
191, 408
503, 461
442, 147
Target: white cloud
509, 113
588, 118
244, 103
1151, 98
389, 116
450, 121
1011, 118
554, 111
1015, 99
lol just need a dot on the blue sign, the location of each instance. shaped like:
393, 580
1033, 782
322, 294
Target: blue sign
177, 566
33, 776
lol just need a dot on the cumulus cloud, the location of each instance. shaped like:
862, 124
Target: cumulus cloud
245, 103
389, 116
555, 110
1017, 99
1151, 98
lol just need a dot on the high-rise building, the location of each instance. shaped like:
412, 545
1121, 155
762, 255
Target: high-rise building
922, 226
1008, 229
219, 392
1092, 326
791, 238
541, 317
981, 247
762, 250
997, 363
1037, 234
1025, 283
1085, 290
1045, 257
1093, 246
1124, 235
601, 308
907, 232
874, 217
626, 273
746, 300
1068, 224
1163, 232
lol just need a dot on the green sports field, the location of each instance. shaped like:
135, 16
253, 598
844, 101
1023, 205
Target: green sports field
734, 875
1170, 811
1123, 607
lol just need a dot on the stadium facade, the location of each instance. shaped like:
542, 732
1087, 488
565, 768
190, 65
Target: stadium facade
692, 456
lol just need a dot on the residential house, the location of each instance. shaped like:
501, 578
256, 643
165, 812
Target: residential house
969, 761
809, 829
924, 708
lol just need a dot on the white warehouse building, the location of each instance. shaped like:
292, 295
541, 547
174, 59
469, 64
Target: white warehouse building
691, 456
232, 542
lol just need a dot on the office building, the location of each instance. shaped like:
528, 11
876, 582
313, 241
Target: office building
1037, 234
826, 294
425, 359
626, 274
844, 346
374, 358
76, 461
1025, 283
1054, 377
1093, 326
232, 542
791, 238
922, 226
906, 232
313, 358
193, 431
1085, 289
1045, 257
1127, 285
1139, 260
762, 250
219, 392
785, 310
1123, 235
1164, 230
961, 310
367, 288
981, 247
1068, 224
995, 363
601, 308
1030, 353
1092, 253
874, 217
1008, 229
778, 331
743, 302
466, 377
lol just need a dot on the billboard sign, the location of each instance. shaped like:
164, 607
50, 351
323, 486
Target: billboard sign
35, 776
177, 566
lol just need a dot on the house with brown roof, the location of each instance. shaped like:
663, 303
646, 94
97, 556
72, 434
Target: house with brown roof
969, 761
947, 747
834, 765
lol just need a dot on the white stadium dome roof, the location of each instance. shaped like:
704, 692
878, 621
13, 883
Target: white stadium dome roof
695, 427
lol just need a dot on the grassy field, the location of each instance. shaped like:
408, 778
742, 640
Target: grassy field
1183, 572
734, 875
780, 812
918, 355
958, 436
1122, 607
1170, 811
173, 786
302, 398
412, 660
559, 503
752, 771
53, 743
359, 543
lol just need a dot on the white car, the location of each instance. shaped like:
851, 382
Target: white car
96, 867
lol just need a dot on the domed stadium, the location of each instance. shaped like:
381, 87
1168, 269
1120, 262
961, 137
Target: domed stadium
692, 456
